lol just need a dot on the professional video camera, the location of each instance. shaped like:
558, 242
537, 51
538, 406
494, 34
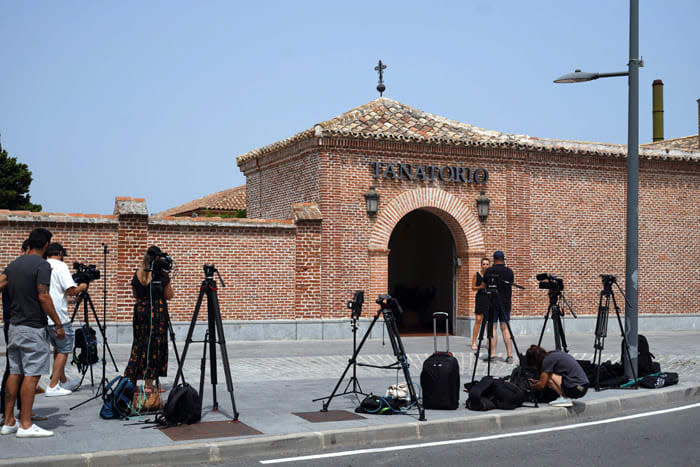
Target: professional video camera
387, 302
550, 281
162, 262
356, 304
85, 274
608, 278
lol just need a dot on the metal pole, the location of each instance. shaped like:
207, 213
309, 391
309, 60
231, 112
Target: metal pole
632, 240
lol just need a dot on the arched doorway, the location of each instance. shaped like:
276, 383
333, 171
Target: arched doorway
422, 269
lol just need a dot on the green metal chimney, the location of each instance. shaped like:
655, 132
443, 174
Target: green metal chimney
657, 105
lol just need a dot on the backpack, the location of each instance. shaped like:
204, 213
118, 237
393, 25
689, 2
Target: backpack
380, 405
495, 393
118, 395
645, 359
521, 377
85, 349
659, 380
183, 406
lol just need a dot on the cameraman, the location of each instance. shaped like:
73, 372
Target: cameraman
504, 279
149, 350
62, 286
559, 371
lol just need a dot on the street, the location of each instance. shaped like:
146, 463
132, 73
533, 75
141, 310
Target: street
666, 437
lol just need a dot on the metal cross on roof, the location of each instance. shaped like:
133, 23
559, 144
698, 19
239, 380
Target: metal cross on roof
380, 69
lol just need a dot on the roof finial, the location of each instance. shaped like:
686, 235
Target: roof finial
380, 69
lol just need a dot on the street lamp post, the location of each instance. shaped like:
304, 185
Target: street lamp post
632, 239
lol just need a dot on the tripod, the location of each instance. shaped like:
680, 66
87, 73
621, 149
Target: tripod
215, 329
87, 302
356, 306
601, 327
495, 306
555, 312
388, 307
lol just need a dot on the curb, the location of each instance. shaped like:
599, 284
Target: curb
222, 451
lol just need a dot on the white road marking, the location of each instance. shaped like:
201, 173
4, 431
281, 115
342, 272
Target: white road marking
481, 438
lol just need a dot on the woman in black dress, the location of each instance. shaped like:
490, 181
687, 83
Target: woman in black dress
149, 350
482, 300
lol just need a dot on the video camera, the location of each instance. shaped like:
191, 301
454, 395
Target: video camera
85, 274
608, 278
162, 262
550, 281
356, 304
387, 302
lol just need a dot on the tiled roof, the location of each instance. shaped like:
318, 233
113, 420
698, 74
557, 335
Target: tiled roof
387, 119
685, 143
232, 199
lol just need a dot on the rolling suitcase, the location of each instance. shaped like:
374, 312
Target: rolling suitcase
439, 380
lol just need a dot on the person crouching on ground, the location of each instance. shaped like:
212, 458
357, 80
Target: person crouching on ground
62, 286
559, 371
149, 350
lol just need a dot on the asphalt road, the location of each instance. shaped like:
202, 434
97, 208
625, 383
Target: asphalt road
658, 439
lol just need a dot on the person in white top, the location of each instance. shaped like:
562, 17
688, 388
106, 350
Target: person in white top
62, 286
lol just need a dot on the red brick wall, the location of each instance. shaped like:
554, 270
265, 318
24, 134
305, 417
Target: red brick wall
561, 213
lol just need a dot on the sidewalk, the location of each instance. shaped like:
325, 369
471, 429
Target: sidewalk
275, 379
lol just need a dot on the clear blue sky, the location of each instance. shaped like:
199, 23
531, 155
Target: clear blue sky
156, 99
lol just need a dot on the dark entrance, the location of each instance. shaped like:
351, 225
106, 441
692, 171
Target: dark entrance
422, 270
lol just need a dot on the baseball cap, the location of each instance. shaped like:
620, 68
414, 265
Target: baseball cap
499, 255
55, 249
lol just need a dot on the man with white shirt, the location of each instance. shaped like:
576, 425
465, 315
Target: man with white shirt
62, 286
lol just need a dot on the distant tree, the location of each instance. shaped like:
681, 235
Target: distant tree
15, 179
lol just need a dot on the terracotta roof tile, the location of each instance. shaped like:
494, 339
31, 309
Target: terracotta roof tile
685, 143
374, 121
232, 199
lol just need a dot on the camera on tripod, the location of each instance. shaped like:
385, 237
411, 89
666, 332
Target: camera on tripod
356, 304
550, 281
608, 279
162, 262
387, 302
84, 274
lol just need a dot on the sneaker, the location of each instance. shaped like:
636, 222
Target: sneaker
8, 430
33, 432
57, 391
562, 402
509, 359
486, 358
72, 384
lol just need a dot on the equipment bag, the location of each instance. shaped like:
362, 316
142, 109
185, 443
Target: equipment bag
147, 401
117, 399
439, 379
85, 349
659, 380
521, 376
645, 359
380, 405
495, 393
183, 406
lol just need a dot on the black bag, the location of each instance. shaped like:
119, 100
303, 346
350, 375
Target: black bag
521, 377
645, 359
439, 379
380, 405
85, 349
495, 393
660, 380
183, 406
118, 395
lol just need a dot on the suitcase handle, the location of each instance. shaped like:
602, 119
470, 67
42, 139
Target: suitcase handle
447, 329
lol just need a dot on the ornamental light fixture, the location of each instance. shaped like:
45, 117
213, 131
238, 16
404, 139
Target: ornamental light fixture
372, 201
482, 206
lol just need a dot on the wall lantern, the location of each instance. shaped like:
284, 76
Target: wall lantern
482, 206
372, 201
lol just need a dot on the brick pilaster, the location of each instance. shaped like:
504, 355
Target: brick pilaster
132, 242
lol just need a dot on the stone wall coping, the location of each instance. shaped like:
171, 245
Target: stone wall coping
59, 217
125, 206
240, 223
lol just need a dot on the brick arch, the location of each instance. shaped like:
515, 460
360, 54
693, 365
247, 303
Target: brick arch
463, 224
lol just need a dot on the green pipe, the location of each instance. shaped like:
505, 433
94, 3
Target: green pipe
657, 105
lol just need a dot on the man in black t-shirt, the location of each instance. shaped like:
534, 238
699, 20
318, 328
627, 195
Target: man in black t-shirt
503, 277
27, 280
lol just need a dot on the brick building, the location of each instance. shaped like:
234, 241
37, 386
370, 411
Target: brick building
308, 242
